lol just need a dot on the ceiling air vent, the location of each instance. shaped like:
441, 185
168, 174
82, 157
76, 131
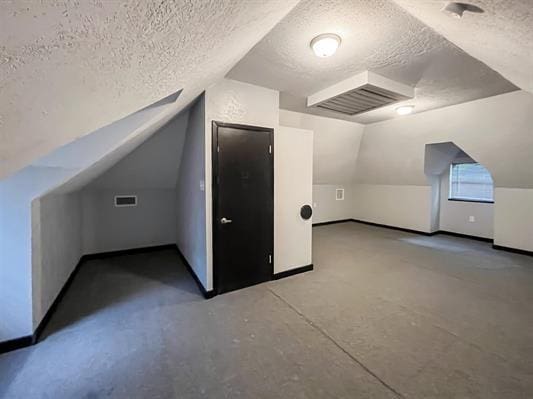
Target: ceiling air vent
361, 93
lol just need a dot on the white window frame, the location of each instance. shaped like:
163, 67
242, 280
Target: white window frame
466, 199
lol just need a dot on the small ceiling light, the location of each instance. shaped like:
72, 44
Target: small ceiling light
456, 9
405, 109
325, 45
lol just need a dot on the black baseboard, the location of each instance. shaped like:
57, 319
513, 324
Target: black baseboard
450, 233
513, 250
134, 251
425, 233
22, 342
17, 343
40, 328
205, 293
460, 235
292, 272
331, 222
131, 251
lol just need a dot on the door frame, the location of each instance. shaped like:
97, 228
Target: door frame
214, 189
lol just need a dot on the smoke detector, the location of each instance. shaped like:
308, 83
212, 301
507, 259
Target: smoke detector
361, 93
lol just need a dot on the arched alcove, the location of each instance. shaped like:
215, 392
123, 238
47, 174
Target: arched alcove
469, 215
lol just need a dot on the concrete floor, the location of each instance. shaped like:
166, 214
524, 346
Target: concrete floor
385, 314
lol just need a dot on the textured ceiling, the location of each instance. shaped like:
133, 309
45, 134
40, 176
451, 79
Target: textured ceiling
377, 35
68, 68
501, 37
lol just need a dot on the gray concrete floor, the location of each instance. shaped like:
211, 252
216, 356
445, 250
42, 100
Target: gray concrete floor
385, 314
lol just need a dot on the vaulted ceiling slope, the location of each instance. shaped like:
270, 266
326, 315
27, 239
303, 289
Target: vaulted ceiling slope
68, 68
377, 35
501, 37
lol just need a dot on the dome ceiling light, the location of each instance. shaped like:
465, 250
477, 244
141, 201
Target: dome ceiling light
456, 9
325, 45
405, 109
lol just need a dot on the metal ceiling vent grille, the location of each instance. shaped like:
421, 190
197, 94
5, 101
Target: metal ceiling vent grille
360, 93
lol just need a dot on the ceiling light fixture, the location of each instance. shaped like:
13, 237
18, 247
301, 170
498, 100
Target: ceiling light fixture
325, 45
405, 109
456, 9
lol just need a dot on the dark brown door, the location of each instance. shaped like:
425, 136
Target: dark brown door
243, 207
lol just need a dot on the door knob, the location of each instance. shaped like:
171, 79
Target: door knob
225, 221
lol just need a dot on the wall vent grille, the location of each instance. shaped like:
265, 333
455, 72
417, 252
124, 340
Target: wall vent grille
125, 200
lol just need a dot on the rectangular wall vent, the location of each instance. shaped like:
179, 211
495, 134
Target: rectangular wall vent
361, 93
125, 200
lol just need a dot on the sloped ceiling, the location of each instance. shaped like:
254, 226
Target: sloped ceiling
68, 68
377, 35
501, 37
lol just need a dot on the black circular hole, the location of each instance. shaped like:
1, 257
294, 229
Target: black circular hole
306, 212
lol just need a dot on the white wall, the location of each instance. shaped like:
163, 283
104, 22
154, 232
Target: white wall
327, 208
392, 152
454, 215
16, 225
406, 206
149, 172
513, 218
293, 177
190, 201
109, 228
335, 149
392, 155
57, 247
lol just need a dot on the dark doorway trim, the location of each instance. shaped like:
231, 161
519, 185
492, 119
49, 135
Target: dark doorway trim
215, 125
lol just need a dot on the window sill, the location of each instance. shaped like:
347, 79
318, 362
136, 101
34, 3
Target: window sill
471, 200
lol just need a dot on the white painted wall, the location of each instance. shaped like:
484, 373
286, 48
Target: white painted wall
154, 164
57, 247
293, 182
454, 215
109, 228
335, 147
335, 150
394, 205
327, 208
190, 204
392, 154
150, 172
513, 218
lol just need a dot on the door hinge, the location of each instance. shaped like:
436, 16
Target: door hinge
270, 259
270, 149
218, 148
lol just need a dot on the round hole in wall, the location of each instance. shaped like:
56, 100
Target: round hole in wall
306, 212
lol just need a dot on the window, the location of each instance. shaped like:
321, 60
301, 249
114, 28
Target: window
471, 182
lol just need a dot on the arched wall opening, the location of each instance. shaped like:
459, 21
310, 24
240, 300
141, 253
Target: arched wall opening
449, 212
